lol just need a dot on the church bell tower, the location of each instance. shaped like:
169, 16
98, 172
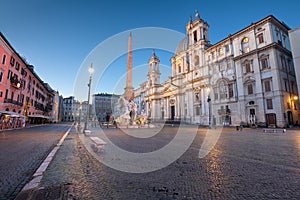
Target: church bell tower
197, 31
153, 70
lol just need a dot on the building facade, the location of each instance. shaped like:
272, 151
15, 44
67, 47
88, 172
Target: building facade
74, 110
247, 78
21, 90
103, 105
295, 46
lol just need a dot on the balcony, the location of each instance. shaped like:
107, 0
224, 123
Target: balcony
39, 106
224, 111
13, 102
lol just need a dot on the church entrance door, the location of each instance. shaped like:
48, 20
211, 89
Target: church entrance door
172, 112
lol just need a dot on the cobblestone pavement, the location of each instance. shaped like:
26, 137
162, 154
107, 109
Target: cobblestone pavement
243, 165
21, 152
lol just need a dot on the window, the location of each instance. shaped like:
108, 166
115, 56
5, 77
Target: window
247, 67
264, 63
284, 40
204, 33
285, 85
212, 55
250, 88
221, 51
197, 97
292, 86
245, 45
23, 72
260, 38
267, 84
282, 59
6, 93
216, 93
227, 48
252, 112
269, 104
1, 93
23, 82
1, 76
3, 59
230, 90
195, 36
221, 66
278, 37
9, 75
12, 61
17, 66
290, 66
179, 69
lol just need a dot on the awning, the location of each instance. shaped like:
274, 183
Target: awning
39, 116
11, 114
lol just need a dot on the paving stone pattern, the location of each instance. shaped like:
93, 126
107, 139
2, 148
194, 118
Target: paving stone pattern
21, 153
243, 165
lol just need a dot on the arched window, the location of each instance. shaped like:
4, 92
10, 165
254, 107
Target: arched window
245, 45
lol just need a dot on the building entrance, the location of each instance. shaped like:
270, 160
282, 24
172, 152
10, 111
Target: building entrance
172, 112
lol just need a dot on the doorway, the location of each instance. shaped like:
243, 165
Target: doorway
290, 118
172, 112
271, 119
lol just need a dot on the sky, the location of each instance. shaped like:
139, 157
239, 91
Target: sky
62, 38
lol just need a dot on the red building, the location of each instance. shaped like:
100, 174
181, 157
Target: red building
22, 92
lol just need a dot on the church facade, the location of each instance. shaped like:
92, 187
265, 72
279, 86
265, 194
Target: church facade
247, 78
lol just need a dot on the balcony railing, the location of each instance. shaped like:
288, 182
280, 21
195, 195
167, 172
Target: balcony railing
13, 102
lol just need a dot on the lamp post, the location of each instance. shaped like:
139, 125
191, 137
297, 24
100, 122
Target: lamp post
91, 70
209, 108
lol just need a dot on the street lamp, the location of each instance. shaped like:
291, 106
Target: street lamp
209, 107
91, 70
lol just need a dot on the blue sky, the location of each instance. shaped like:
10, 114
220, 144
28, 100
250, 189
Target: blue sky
56, 36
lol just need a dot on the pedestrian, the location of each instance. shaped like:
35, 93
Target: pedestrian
107, 119
241, 127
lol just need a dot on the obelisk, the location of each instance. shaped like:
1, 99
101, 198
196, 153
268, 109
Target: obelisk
129, 95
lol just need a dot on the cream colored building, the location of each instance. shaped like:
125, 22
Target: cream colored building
295, 46
246, 78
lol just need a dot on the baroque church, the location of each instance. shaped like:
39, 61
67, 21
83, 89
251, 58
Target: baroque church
248, 78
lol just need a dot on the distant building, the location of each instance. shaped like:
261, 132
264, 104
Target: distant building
61, 109
21, 90
103, 104
74, 110
247, 78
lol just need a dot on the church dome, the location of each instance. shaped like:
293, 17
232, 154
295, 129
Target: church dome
183, 45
